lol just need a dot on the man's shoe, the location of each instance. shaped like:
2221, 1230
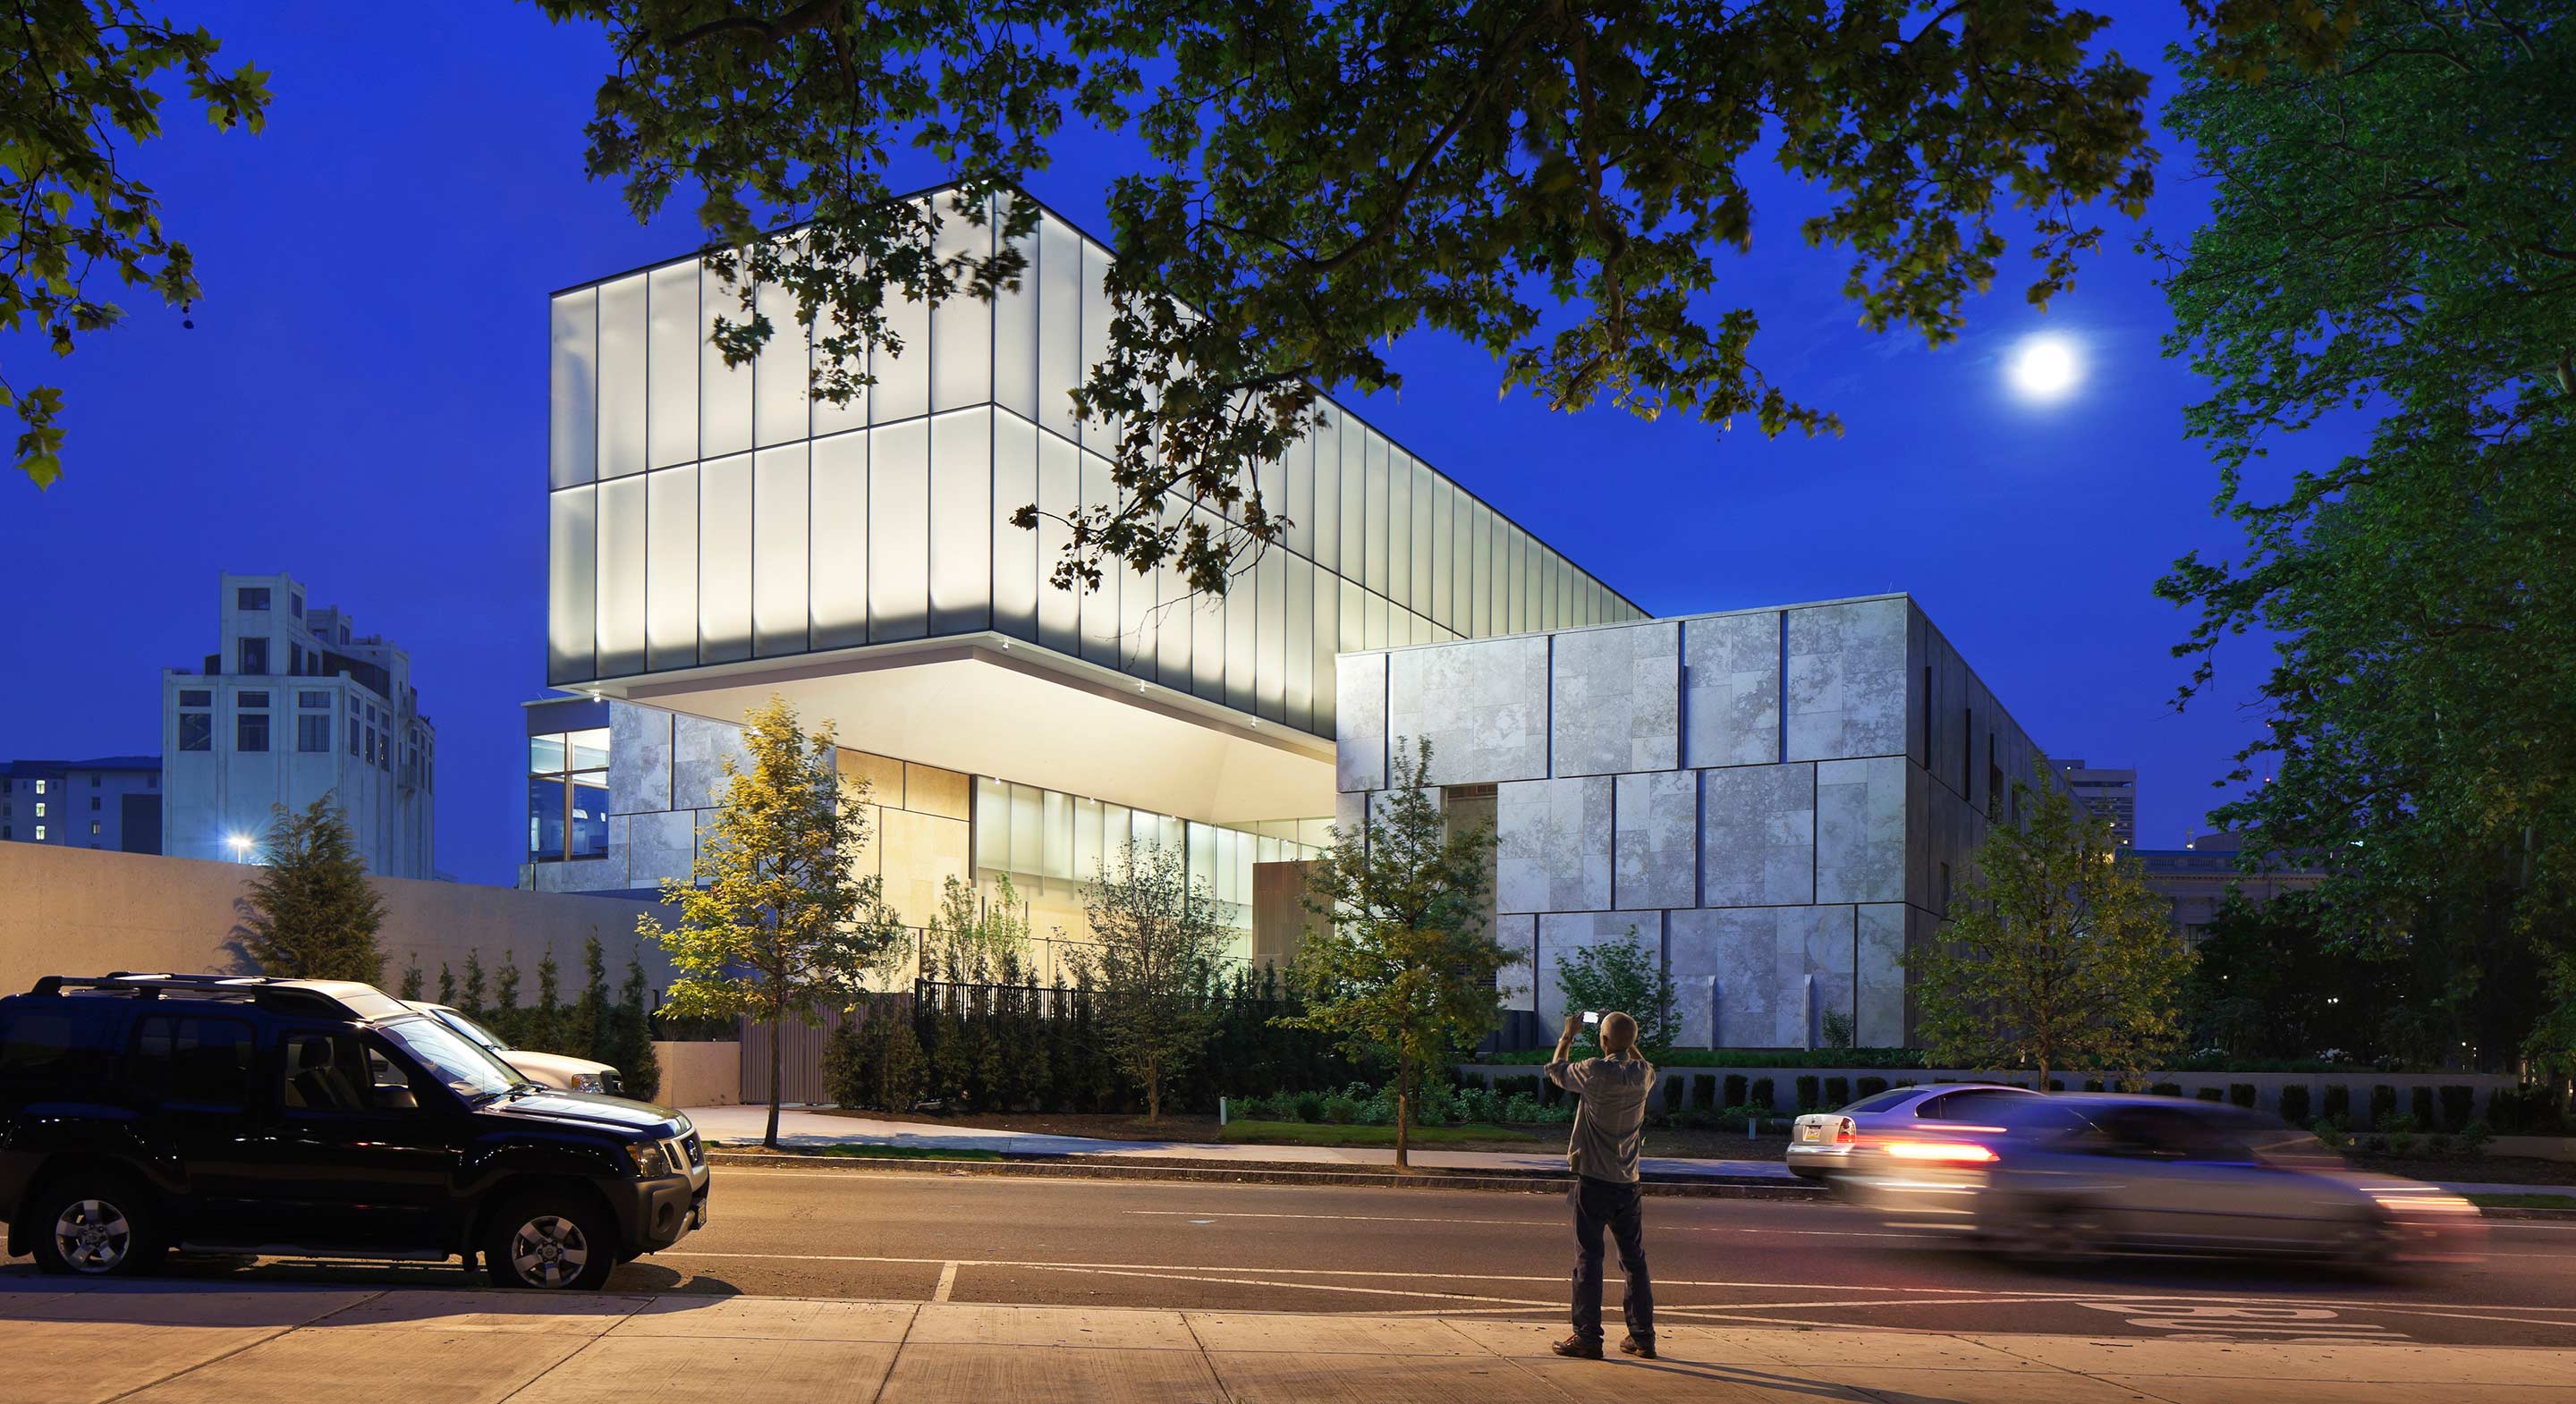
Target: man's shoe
1643, 1350
1578, 1348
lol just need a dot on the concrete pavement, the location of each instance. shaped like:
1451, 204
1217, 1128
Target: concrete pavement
812, 1130
185, 1343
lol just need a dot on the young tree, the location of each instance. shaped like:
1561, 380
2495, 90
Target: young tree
412, 980
775, 923
1561, 186
472, 991
974, 931
638, 1066
1620, 975
310, 912
1154, 952
2057, 955
1398, 959
594, 1020
83, 76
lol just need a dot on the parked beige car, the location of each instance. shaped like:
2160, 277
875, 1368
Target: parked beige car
545, 1069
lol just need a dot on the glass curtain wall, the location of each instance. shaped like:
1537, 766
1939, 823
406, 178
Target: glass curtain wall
704, 514
568, 796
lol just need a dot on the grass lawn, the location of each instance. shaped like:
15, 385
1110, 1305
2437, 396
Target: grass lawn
2524, 1201
1300, 1133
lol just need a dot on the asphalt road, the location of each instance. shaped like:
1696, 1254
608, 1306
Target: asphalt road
909, 1236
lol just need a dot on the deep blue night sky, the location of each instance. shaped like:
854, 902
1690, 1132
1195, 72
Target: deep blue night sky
362, 403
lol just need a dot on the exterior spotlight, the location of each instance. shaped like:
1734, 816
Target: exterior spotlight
241, 845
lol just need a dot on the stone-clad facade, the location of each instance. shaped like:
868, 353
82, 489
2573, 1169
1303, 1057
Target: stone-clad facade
1781, 801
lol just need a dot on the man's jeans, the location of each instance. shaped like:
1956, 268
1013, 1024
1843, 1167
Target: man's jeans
1600, 1204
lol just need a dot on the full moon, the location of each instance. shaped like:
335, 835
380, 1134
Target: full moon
2044, 367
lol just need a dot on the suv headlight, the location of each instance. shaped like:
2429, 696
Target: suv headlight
650, 1162
588, 1082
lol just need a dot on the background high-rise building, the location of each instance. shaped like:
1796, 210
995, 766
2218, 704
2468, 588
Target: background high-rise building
111, 803
2111, 794
294, 705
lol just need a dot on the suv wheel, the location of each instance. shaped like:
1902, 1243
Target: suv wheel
550, 1239
94, 1227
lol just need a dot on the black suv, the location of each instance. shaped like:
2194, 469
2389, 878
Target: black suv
143, 1113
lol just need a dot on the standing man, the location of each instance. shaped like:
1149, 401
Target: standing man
1608, 1127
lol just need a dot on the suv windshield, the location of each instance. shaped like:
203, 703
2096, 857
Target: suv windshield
452, 1058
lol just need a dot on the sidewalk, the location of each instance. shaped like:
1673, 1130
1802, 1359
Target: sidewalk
173, 1343
810, 1130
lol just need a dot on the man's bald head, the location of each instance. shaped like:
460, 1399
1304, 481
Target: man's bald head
1618, 1035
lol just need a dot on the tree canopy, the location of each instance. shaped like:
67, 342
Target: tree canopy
83, 86
2392, 249
2056, 956
1555, 184
1153, 957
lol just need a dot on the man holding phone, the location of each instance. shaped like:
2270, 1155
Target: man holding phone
1609, 1126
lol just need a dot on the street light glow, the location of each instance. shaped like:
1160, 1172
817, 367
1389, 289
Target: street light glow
241, 846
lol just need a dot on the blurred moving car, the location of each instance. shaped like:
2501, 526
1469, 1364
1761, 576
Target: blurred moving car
2066, 1177
553, 1070
1821, 1143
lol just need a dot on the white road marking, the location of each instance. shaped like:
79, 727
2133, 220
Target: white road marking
1552, 1223
947, 1282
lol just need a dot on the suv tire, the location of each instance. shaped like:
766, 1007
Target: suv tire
94, 1224
550, 1239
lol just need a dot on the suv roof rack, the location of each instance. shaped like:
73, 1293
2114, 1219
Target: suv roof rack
268, 992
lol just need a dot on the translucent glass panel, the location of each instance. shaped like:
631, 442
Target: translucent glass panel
899, 531
1015, 333
1098, 435
1100, 617
1175, 623
903, 377
671, 369
1059, 287
961, 327
1242, 639
671, 569
572, 585
827, 417
780, 534
1032, 832
724, 559
1297, 604
1270, 636
838, 558
1325, 450
1428, 528
961, 522
724, 392
1398, 584
1015, 552
783, 376
622, 395
572, 419
992, 826
621, 576
1059, 491
1375, 520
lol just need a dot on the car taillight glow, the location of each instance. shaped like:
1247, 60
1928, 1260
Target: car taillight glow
1846, 1133
1951, 1152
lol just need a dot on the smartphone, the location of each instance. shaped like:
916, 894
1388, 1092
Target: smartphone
1591, 1016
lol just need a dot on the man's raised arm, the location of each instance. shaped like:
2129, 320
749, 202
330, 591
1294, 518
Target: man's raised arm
1559, 1070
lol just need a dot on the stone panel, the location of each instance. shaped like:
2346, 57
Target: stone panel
1514, 985
1758, 835
660, 846
929, 790
921, 852
1482, 706
1846, 684
1615, 700
698, 750
1731, 682
1562, 933
1879, 1019
1359, 703
1724, 977
882, 775
639, 758
1552, 845
1860, 830
1348, 811
1656, 844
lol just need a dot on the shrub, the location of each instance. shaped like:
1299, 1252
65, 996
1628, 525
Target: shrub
2294, 1103
1672, 1096
1837, 1093
2167, 1089
1310, 1107
2206, 1094
1760, 1095
2092, 1084
2524, 1111
2056, 1084
2383, 1104
874, 1063
1872, 1086
1807, 1092
1341, 1109
2241, 1094
1704, 1092
1735, 1096
2474, 1136
2419, 1104
2459, 1104
2337, 1105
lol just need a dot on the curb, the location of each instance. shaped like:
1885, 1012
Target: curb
1257, 1173
2561, 1215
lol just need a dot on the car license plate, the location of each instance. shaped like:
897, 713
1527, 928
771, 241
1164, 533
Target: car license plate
1806, 1133
698, 1215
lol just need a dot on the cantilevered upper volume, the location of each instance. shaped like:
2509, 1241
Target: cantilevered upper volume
718, 534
